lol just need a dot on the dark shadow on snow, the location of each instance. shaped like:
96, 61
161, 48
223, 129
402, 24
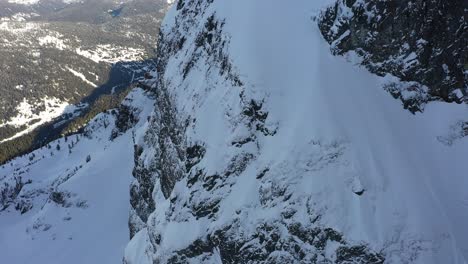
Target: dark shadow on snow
121, 76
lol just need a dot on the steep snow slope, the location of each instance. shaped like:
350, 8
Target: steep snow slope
58, 206
263, 147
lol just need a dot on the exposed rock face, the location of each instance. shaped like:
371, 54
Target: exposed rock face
162, 163
169, 154
221, 175
421, 42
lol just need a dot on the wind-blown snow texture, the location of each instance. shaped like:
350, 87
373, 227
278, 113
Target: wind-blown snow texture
59, 206
265, 148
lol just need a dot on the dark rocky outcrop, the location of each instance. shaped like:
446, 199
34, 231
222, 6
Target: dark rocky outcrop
266, 245
10, 191
420, 42
126, 118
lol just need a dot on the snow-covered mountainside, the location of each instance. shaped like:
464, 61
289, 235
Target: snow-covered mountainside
251, 142
69, 202
266, 148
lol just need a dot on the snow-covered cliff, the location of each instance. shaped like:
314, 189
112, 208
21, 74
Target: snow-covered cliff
251, 142
265, 148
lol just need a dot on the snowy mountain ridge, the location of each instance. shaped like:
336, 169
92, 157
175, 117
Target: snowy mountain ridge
264, 148
249, 143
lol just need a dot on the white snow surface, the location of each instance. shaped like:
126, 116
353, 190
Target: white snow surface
24, 2
414, 208
92, 226
415, 205
81, 76
112, 53
54, 107
55, 41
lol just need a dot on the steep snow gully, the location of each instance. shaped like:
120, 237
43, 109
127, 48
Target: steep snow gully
255, 145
